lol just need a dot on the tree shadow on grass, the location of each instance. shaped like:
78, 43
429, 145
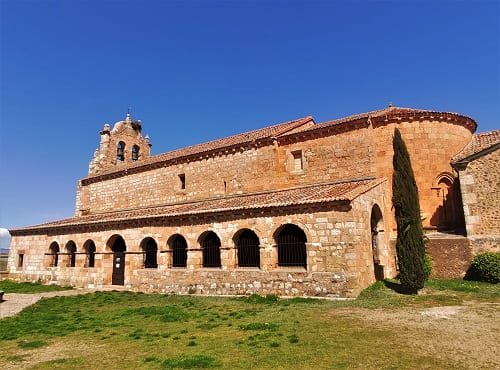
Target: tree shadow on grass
395, 286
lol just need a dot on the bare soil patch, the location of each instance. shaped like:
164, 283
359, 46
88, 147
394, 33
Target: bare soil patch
468, 334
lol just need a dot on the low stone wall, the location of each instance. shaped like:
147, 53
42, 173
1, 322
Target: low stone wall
450, 256
485, 243
244, 282
286, 282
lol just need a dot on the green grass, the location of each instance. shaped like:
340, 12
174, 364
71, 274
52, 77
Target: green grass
124, 330
31, 344
482, 289
10, 286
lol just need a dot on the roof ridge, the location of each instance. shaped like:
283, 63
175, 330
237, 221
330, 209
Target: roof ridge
245, 136
479, 142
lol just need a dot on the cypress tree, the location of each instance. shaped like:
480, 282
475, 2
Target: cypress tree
410, 241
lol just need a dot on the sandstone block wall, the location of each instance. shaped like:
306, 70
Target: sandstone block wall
480, 187
339, 255
480, 183
234, 172
450, 257
431, 145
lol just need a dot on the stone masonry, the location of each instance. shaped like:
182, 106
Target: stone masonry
315, 197
479, 170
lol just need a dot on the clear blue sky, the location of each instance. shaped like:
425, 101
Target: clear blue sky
196, 71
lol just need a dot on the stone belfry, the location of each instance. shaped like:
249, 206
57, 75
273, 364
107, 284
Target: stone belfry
123, 144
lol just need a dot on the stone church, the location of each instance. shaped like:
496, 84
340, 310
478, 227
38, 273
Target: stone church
295, 208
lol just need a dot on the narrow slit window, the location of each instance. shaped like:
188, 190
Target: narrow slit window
297, 160
20, 260
182, 179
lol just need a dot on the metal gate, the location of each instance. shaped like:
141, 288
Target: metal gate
211, 251
292, 247
248, 249
179, 252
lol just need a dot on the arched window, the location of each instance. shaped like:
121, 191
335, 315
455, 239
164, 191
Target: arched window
150, 250
71, 251
120, 151
377, 236
89, 248
291, 242
247, 244
135, 153
211, 250
54, 252
178, 246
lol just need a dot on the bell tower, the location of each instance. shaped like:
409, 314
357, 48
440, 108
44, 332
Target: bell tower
120, 146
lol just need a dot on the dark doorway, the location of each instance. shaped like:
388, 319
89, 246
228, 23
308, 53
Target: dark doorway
377, 231
118, 247
150, 249
211, 250
179, 251
248, 249
71, 251
54, 253
89, 248
291, 242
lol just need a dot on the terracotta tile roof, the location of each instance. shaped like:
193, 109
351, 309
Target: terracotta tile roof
259, 134
285, 129
320, 193
388, 112
478, 143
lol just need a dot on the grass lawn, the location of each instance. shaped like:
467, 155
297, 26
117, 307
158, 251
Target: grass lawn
10, 286
380, 329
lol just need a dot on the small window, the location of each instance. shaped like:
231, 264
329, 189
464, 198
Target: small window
297, 160
120, 151
182, 178
135, 153
20, 260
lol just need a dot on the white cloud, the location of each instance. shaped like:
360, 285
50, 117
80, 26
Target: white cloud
4, 233
4, 238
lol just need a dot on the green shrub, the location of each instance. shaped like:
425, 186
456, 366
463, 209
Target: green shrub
485, 267
427, 266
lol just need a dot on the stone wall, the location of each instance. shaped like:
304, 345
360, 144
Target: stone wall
480, 186
352, 153
339, 254
431, 145
450, 257
240, 171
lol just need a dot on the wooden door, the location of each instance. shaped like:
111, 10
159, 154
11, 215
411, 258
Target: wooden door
118, 277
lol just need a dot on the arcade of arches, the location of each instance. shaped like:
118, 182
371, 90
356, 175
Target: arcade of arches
324, 251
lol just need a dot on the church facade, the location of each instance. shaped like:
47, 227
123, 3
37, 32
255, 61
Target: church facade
296, 208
